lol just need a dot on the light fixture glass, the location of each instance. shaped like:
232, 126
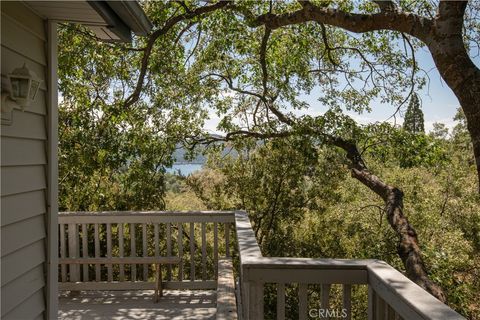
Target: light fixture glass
24, 85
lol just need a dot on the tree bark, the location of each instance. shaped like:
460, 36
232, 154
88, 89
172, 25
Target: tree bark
442, 35
456, 68
408, 245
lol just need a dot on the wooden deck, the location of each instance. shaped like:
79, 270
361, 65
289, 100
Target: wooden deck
391, 295
175, 304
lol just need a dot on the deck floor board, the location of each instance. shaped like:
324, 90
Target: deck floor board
175, 304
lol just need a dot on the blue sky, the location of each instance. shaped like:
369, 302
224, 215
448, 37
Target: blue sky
439, 104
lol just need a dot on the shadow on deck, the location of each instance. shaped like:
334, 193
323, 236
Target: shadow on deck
175, 304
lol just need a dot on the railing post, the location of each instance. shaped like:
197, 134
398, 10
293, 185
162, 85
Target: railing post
227, 239
121, 251
63, 252
371, 303
347, 300
303, 301
109, 252
244, 292
281, 301
73, 250
85, 251
255, 303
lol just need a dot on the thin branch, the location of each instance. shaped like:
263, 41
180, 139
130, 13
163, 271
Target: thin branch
263, 60
412, 78
327, 45
196, 44
169, 24
230, 85
187, 27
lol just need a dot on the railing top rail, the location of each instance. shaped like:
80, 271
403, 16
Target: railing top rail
149, 213
247, 242
307, 263
251, 255
408, 299
146, 217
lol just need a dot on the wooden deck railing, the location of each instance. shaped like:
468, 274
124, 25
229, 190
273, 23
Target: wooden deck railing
390, 294
98, 249
323, 288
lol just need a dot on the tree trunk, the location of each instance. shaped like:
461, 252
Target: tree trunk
455, 66
463, 77
469, 97
408, 246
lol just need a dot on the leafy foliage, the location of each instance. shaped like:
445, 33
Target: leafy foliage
413, 121
112, 158
390, 144
321, 212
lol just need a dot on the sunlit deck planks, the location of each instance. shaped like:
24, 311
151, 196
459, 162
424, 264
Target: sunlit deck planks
175, 304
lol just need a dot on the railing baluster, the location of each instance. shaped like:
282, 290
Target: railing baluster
281, 301
155, 239
390, 313
169, 250
109, 252
77, 247
347, 300
204, 252
144, 250
371, 303
121, 251
325, 297
302, 301
85, 251
180, 251
255, 303
74, 271
63, 252
133, 252
227, 239
215, 248
192, 251
379, 308
245, 297
97, 252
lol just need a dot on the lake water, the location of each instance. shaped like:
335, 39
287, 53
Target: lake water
184, 169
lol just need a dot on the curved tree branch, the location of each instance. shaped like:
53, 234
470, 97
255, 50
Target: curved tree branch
169, 24
396, 20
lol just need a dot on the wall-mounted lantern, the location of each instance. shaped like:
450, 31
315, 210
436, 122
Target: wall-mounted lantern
24, 85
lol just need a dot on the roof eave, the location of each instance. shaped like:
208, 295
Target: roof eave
132, 15
114, 22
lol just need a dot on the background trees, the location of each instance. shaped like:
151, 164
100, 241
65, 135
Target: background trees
113, 158
322, 212
413, 121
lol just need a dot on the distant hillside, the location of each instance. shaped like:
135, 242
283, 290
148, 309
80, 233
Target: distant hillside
179, 154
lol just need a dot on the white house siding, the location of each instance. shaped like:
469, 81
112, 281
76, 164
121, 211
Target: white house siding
23, 171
